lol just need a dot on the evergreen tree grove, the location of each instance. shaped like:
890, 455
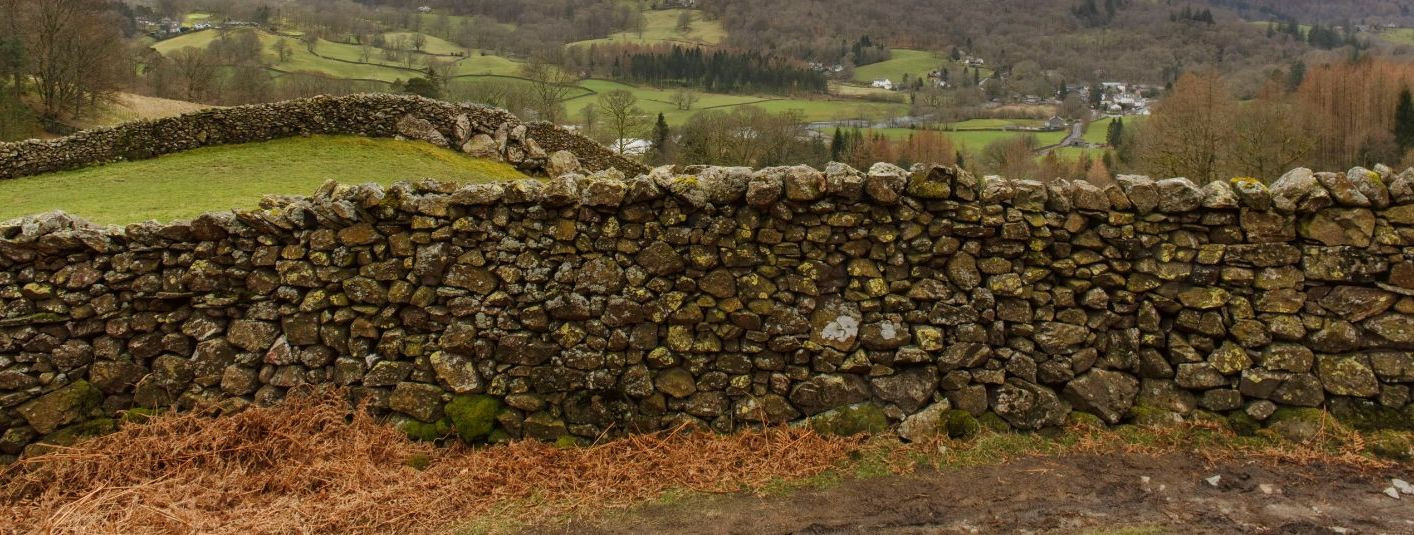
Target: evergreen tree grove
1115, 132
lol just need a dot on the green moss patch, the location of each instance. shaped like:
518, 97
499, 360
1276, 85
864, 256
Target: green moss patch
473, 416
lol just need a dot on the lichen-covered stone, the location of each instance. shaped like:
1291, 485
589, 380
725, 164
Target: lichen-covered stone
61, 407
1028, 406
849, 421
1107, 394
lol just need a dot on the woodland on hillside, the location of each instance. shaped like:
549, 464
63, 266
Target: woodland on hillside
1083, 39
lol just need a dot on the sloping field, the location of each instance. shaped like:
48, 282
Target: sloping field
662, 27
209, 179
128, 107
912, 62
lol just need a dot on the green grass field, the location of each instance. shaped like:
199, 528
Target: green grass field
976, 140
913, 62
997, 124
1398, 36
434, 45
662, 27
830, 110
186, 184
1097, 131
1071, 154
479, 65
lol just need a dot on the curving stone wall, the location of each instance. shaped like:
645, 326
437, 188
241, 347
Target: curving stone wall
477, 130
727, 297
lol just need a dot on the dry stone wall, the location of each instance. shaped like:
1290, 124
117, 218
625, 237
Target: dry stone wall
727, 297
477, 130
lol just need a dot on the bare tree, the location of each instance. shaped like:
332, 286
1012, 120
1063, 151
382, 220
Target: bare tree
684, 21
311, 41
621, 111
75, 52
1268, 138
684, 99
549, 85
283, 50
419, 41
1190, 132
196, 70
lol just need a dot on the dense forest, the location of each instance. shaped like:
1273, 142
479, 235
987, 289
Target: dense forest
1323, 11
1119, 39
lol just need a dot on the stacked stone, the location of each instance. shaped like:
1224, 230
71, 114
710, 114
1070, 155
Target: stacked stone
726, 297
477, 130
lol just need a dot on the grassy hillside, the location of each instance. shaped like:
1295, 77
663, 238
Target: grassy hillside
913, 62
187, 184
662, 27
434, 45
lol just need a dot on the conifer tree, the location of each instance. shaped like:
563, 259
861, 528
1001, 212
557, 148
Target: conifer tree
1404, 121
661, 139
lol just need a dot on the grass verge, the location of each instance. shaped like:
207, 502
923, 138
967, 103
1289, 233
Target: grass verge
187, 184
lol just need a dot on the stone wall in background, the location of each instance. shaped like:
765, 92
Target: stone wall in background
477, 130
727, 297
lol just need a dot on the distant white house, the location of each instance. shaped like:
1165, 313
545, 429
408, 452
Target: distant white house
631, 146
884, 84
424, 9
1054, 123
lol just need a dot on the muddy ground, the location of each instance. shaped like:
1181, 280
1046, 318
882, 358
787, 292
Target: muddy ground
1070, 494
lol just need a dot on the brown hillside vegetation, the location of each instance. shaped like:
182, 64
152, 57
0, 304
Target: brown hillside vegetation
313, 466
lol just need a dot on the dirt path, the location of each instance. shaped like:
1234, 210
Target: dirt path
1075, 494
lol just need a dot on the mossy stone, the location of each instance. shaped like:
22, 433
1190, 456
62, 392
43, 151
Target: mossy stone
570, 441
1151, 416
851, 420
994, 423
137, 415
1393, 445
1297, 424
71, 435
473, 416
1084, 420
426, 432
1243, 424
499, 436
961, 424
1367, 415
